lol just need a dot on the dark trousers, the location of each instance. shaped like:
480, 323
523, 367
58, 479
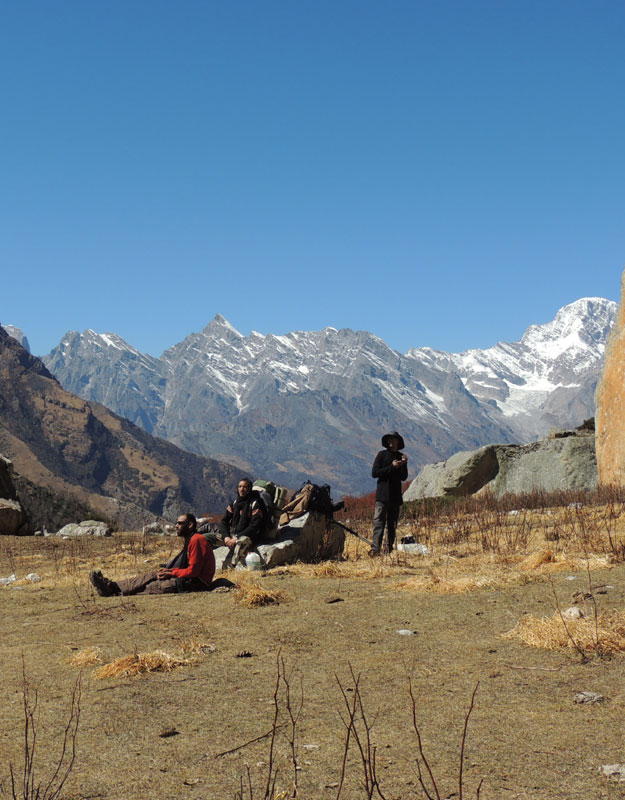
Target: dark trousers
150, 584
386, 514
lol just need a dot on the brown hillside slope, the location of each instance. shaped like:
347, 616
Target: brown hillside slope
68, 445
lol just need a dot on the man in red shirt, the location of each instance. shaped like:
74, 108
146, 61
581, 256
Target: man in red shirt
192, 570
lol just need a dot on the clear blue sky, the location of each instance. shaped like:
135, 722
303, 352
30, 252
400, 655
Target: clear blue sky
439, 173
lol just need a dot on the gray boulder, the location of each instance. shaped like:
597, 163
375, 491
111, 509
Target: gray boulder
89, 527
549, 465
13, 519
303, 539
159, 528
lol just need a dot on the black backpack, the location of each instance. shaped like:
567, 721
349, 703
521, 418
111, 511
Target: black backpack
266, 508
319, 498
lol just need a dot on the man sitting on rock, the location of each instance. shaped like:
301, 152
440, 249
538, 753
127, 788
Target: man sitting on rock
241, 525
191, 570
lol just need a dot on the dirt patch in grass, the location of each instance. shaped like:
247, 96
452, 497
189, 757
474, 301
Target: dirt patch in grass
380, 621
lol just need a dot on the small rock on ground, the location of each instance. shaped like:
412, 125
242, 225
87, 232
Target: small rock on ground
615, 772
589, 697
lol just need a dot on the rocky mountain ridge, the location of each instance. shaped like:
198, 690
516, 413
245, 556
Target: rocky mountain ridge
314, 404
18, 334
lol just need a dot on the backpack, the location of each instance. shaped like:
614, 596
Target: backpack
277, 493
266, 507
309, 498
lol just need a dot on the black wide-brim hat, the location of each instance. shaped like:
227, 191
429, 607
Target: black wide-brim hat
391, 435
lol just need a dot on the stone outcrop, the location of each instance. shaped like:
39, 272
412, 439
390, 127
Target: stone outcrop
88, 527
610, 404
559, 463
13, 519
303, 539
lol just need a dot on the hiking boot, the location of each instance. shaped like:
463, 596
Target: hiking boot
103, 586
374, 553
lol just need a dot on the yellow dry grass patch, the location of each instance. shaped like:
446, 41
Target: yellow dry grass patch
137, 560
364, 568
140, 663
605, 634
449, 574
461, 584
534, 560
251, 594
577, 564
89, 657
361, 567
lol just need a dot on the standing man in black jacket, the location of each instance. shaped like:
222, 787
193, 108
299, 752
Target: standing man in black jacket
390, 468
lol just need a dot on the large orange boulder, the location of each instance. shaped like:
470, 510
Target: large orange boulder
610, 404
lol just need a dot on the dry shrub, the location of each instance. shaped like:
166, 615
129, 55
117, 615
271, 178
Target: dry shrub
88, 657
534, 560
251, 594
329, 569
605, 633
139, 663
196, 647
361, 569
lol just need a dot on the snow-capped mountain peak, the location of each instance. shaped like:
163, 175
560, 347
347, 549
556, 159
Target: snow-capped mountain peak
313, 404
525, 378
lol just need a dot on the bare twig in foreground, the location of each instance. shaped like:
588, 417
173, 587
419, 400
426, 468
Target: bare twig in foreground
32, 788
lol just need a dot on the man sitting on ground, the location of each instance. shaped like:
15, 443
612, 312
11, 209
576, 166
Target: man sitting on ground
241, 525
192, 570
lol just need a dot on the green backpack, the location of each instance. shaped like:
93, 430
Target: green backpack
277, 493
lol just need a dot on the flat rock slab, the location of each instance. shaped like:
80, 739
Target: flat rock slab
303, 539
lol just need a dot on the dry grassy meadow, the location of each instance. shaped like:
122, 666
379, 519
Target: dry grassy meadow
298, 683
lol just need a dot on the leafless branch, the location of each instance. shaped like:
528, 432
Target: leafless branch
31, 788
422, 755
464, 738
246, 744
